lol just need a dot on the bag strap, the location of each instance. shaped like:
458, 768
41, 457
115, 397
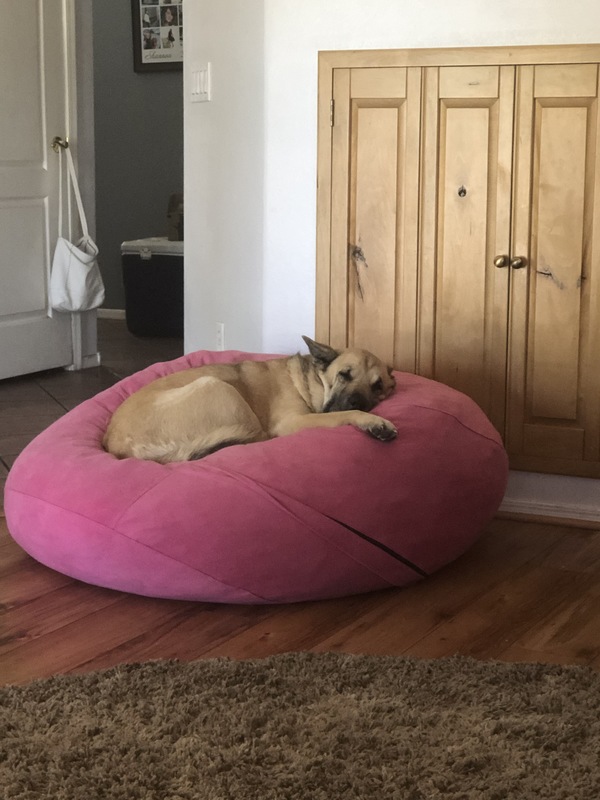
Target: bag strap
60, 193
75, 184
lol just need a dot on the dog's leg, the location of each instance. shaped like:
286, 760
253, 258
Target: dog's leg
378, 427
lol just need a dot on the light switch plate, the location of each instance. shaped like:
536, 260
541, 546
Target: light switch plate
201, 83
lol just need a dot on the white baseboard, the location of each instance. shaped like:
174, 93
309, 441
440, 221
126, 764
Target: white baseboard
567, 511
558, 496
111, 313
93, 360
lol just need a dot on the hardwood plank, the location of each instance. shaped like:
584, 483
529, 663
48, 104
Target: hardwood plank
569, 634
3, 475
72, 645
11, 555
578, 551
393, 627
28, 581
28, 620
185, 636
386, 628
507, 611
295, 627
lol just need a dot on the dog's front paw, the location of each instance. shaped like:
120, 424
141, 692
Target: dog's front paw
382, 430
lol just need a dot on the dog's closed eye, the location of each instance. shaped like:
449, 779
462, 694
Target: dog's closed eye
377, 386
345, 374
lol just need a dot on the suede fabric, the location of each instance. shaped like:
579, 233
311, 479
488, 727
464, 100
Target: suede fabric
321, 513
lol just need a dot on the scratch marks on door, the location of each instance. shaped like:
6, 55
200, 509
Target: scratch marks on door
358, 257
546, 272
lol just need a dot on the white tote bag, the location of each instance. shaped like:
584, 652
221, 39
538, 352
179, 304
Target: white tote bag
75, 281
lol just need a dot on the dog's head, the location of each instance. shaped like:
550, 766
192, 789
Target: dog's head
352, 379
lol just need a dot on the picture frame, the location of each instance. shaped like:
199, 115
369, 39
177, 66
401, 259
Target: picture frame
157, 35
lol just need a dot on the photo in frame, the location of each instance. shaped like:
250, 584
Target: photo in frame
157, 35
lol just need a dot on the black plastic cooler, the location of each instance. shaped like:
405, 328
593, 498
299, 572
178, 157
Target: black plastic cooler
153, 279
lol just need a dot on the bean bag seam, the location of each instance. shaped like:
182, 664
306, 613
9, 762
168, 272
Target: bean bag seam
143, 494
460, 422
251, 484
382, 546
379, 545
140, 544
267, 491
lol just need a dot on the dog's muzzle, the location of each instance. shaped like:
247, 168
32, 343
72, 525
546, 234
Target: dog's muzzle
351, 402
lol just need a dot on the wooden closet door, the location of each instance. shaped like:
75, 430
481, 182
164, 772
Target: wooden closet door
465, 213
554, 374
374, 211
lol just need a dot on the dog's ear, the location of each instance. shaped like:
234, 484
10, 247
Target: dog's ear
321, 353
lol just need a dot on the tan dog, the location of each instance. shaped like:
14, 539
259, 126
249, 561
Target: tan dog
192, 413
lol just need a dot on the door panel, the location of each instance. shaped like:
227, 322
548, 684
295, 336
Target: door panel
23, 289
463, 308
375, 212
33, 88
554, 328
373, 215
460, 341
559, 192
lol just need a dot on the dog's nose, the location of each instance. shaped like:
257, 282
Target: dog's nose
357, 402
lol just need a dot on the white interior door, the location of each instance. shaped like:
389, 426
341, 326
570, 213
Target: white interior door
33, 102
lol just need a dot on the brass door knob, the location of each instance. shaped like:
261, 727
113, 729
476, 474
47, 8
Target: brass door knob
501, 261
518, 262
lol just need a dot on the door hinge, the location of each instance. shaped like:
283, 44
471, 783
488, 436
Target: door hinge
331, 112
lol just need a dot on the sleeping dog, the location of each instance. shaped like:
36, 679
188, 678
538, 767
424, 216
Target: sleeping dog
192, 413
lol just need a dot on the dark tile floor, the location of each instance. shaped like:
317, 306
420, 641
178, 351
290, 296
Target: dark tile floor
29, 404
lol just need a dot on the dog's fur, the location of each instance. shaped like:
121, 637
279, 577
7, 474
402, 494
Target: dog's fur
192, 413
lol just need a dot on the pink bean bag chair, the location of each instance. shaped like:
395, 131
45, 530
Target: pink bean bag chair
321, 513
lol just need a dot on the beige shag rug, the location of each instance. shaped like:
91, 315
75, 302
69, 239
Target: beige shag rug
303, 726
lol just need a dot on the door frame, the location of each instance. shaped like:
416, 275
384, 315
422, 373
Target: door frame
79, 42
79, 66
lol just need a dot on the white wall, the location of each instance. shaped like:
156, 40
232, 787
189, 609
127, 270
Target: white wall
250, 154
224, 151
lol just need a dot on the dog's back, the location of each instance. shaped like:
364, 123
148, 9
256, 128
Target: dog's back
192, 413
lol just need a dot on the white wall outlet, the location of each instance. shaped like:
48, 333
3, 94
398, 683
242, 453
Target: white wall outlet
201, 89
220, 340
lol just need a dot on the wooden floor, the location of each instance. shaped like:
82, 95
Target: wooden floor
524, 592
